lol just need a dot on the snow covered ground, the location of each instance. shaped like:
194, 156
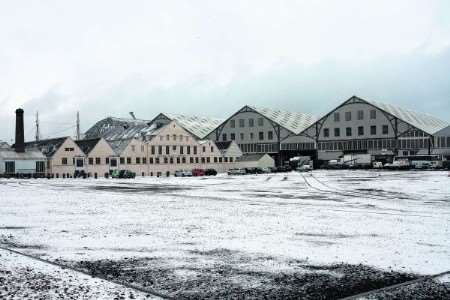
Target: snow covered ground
272, 223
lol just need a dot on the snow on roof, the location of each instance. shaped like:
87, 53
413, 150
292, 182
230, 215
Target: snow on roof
197, 125
292, 121
120, 128
29, 154
119, 146
422, 121
48, 146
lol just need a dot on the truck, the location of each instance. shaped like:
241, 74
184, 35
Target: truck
356, 160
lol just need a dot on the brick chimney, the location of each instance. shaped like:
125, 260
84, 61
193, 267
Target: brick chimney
20, 139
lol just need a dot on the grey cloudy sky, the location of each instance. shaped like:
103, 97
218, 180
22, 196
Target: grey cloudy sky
212, 57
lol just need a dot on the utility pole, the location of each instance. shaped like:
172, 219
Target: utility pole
38, 133
78, 126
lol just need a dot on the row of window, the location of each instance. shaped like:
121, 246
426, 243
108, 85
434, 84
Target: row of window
359, 115
374, 144
259, 148
250, 123
360, 131
298, 146
442, 142
181, 149
174, 137
173, 160
251, 135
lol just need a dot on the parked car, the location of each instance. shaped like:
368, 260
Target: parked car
266, 170
123, 174
236, 172
198, 172
183, 173
210, 172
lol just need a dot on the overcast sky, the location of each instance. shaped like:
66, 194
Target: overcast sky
212, 57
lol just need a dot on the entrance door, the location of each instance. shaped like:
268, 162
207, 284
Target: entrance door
10, 167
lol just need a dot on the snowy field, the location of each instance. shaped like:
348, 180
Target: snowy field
229, 236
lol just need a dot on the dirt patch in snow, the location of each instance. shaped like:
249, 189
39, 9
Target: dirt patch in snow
223, 280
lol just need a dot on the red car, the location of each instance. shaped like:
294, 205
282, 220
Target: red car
198, 172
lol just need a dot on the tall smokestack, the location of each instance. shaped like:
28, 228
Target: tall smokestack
20, 139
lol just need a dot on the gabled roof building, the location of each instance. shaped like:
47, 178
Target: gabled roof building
363, 126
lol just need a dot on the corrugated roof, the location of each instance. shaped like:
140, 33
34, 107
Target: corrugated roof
292, 121
197, 125
48, 147
119, 128
422, 121
29, 154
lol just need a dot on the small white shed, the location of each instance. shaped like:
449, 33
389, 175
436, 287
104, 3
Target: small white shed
256, 161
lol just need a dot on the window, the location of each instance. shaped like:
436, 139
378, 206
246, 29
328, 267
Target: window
270, 135
138, 160
128, 160
167, 149
337, 132
348, 131
361, 130
208, 160
196, 160
326, 132
122, 160
133, 148
385, 129
260, 122
241, 123
191, 160
113, 162
64, 160
10, 167
69, 149
188, 150
242, 136
212, 149
360, 115
215, 159
232, 123
183, 160
261, 135
348, 116
224, 137
251, 123
91, 160
144, 160
232, 136
107, 160
166, 160
174, 137
97, 160
373, 130
167, 137
150, 160
252, 136
204, 149
160, 150
373, 114
195, 150
181, 150
203, 160
153, 150
174, 148
337, 117
157, 160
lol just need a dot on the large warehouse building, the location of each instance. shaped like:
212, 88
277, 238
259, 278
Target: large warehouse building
362, 126
260, 130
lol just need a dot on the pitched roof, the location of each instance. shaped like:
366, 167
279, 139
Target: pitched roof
196, 125
223, 145
292, 121
120, 128
420, 120
87, 145
119, 146
48, 147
